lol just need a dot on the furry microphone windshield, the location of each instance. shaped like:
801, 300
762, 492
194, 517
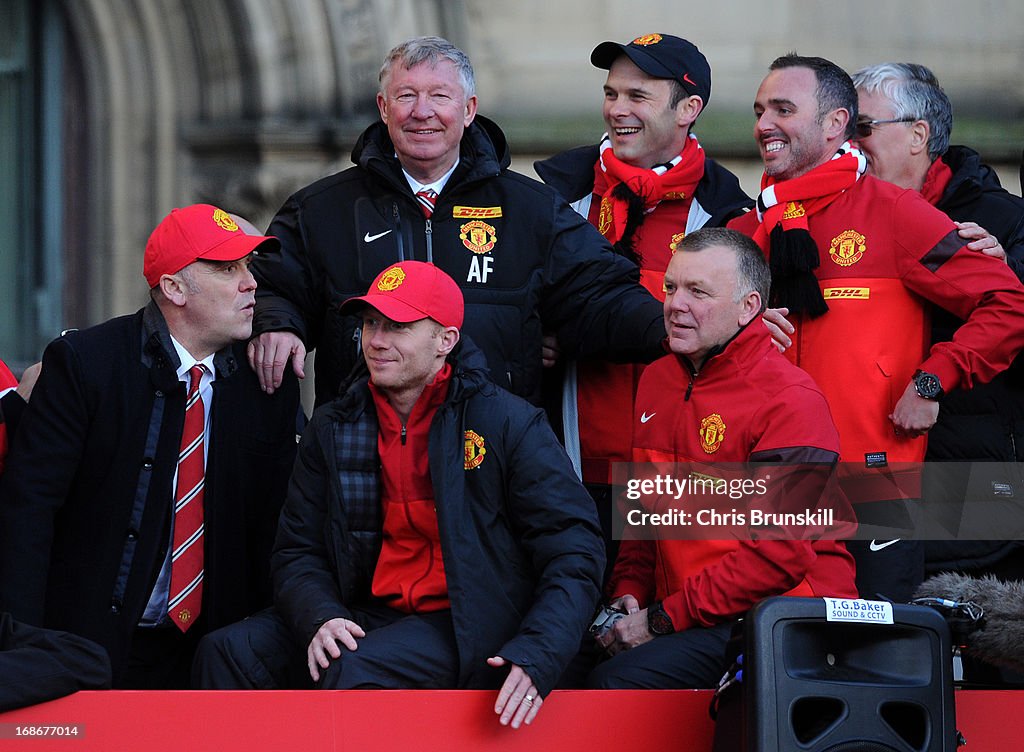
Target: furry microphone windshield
993, 631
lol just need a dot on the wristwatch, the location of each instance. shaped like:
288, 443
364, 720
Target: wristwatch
659, 622
927, 385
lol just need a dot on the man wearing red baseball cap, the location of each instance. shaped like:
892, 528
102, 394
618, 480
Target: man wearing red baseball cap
140, 501
471, 560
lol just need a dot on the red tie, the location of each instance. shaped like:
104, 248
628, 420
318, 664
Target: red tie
426, 199
186, 592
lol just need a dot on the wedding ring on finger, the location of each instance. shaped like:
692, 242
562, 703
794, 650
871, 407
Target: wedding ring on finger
528, 699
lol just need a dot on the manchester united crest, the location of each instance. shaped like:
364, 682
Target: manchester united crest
647, 39
391, 279
676, 239
847, 248
478, 236
224, 221
794, 210
712, 433
604, 218
475, 450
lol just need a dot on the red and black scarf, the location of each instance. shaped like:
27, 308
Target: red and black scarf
628, 193
783, 209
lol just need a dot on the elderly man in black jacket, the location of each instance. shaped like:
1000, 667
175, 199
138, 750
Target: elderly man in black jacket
434, 533
100, 483
432, 182
904, 130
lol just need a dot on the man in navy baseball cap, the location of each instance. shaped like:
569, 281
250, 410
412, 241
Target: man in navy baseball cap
662, 56
645, 184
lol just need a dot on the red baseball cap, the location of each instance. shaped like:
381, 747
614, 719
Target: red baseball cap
200, 231
410, 291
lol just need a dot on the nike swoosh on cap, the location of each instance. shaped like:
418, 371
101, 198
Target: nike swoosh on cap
368, 238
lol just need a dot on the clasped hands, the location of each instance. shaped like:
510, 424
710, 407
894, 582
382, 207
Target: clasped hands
629, 631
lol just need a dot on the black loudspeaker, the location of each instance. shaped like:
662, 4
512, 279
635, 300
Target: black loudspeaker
813, 685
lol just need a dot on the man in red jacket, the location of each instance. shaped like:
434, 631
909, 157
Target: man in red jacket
644, 186
723, 395
856, 261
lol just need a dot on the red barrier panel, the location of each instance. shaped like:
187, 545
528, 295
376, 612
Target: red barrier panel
413, 721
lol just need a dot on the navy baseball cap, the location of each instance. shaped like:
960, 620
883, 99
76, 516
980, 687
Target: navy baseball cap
662, 56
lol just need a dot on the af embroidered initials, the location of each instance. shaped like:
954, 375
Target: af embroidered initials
480, 237
480, 268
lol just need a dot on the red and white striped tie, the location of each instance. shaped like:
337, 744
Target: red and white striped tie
186, 591
426, 199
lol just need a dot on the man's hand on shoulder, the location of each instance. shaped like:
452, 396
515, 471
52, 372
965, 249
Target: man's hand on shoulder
981, 240
324, 645
518, 699
269, 354
779, 327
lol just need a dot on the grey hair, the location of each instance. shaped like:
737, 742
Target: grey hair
187, 279
752, 272
429, 50
915, 93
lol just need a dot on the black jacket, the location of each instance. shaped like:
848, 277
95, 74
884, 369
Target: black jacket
571, 173
522, 552
519, 253
86, 500
38, 664
986, 422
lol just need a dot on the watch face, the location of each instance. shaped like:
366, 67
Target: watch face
927, 385
658, 621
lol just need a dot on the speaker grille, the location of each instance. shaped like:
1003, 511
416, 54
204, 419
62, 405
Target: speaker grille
908, 720
813, 717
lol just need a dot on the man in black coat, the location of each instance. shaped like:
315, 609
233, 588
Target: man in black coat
37, 665
525, 261
87, 502
434, 534
904, 131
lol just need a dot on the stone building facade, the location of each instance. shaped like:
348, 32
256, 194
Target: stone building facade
112, 112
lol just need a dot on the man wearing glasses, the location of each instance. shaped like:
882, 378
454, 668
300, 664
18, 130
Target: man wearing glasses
904, 131
854, 260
